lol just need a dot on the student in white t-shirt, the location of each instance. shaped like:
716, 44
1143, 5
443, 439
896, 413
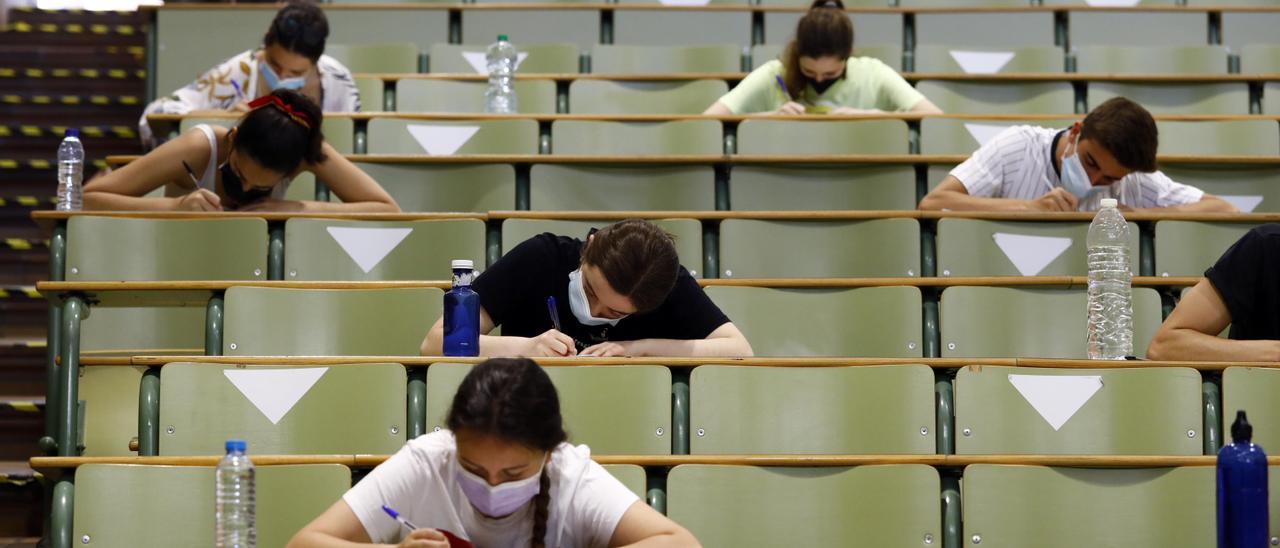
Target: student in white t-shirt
1112, 154
502, 475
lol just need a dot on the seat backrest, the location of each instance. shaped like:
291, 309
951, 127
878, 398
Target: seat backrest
1018, 505
642, 138
1271, 98
888, 506
612, 97
475, 188
446, 138
1214, 98
638, 398
1002, 322
282, 410
960, 136
1252, 389
261, 321
891, 54
753, 248
1260, 58
1187, 248
120, 249
969, 60
376, 58
865, 187
1252, 189
1225, 137
632, 476
1152, 59
618, 59
325, 249
126, 505
135, 330
540, 58
762, 136
109, 395
1040, 411
422, 95
845, 410
687, 232
1000, 98
592, 188
878, 322
372, 94
975, 247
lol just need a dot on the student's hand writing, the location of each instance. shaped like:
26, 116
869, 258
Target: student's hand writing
424, 538
608, 349
240, 106
850, 110
200, 200
1057, 199
792, 108
550, 344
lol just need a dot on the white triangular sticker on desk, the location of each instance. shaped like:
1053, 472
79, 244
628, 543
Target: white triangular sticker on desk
477, 61
1030, 254
981, 62
1112, 3
984, 132
1246, 204
441, 140
368, 246
1056, 398
274, 391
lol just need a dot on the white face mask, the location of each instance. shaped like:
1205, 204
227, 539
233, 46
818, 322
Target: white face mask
579, 305
498, 500
1074, 178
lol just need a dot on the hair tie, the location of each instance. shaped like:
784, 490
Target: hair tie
299, 117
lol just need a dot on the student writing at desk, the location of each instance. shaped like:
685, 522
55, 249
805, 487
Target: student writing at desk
620, 293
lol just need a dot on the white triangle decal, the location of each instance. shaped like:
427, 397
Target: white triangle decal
981, 62
1246, 204
481, 65
1030, 254
274, 391
1056, 398
1112, 3
368, 246
984, 132
439, 140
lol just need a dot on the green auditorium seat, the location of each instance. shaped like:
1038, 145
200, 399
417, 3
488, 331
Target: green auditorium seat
1271, 98
478, 188
755, 248
376, 58
325, 249
638, 398
659, 27
1187, 248
617, 97
966, 3
1152, 59
678, 137
822, 137
372, 94
446, 138
1022, 505
891, 506
890, 54
1256, 58
975, 247
866, 187
983, 29
615, 59
687, 232
845, 410
1166, 28
1040, 411
1230, 138
1252, 189
1000, 98
632, 476
882, 322
580, 27
591, 188
110, 398
282, 410
943, 58
1002, 322
127, 505
1214, 98
875, 31
1252, 390
961, 136
262, 321
417, 95
542, 58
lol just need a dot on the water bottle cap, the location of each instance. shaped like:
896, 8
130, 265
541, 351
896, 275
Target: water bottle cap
235, 446
463, 264
71, 132
502, 38
1110, 202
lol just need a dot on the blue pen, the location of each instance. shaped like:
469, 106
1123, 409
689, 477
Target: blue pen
554, 312
783, 86
396, 516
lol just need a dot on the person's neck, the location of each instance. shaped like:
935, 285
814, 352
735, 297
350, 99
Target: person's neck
1060, 150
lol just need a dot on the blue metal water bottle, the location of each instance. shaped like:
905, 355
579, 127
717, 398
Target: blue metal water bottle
1242, 490
462, 313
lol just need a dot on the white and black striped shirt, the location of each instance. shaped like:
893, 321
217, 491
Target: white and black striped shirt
1018, 164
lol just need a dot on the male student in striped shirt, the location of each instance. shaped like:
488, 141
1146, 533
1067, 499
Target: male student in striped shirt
1111, 154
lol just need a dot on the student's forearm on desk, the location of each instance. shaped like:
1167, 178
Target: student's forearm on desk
110, 201
704, 348
496, 346
1192, 345
957, 201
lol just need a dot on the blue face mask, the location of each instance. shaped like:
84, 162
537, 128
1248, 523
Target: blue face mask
274, 82
1074, 178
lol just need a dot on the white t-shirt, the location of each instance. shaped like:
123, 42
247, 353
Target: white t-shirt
1017, 163
420, 482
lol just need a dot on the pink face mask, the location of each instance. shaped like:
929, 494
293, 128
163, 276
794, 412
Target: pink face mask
502, 499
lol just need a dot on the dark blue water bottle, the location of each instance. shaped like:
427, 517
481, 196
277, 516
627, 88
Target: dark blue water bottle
1242, 490
462, 313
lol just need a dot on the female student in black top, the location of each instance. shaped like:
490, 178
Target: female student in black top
621, 293
1240, 290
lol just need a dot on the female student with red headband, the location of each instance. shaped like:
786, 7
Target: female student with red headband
244, 168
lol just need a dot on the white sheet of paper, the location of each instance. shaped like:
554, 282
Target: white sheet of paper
274, 391
368, 246
984, 132
477, 61
440, 140
1030, 254
981, 62
1056, 398
1245, 203
1112, 3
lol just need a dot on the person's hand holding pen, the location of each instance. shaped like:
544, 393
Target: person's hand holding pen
241, 104
199, 199
790, 108
419, 537
552, 343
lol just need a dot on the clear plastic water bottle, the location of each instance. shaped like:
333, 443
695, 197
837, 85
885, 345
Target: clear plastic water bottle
234, 524
1242, 490
462, 313
500, 96
70, 171
1110, 285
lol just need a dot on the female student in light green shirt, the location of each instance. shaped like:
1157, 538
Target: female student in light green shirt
819, 75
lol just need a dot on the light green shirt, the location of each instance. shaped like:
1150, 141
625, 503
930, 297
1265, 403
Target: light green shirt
868, 83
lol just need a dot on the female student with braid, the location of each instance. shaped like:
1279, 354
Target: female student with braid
501, 476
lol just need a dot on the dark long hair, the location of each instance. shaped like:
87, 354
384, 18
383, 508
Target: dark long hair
513, 399
824, 31
278, 140
638, 259
300, 27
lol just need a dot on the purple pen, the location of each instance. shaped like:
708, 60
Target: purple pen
396, 516
239, 92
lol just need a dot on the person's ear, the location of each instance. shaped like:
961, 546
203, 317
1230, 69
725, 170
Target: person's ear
1075, 128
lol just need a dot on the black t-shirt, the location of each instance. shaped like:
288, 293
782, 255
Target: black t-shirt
514, 292
1246, 277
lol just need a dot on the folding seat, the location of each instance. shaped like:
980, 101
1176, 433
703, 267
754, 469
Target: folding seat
999, 97
618, 97
420, 95
1187, 248
968, 59
552, 58
330, 249
790, 187
445, 138
757, 248
260, 321
601, 188
680, 137
787, 137
617, 59
976, 247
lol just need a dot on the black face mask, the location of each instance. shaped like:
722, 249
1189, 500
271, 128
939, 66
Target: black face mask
824, 86
233, 187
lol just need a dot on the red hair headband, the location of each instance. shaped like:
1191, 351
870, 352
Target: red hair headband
299, 117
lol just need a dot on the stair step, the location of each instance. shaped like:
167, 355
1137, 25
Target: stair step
74, 57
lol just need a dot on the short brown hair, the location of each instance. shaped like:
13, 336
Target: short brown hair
1126, 130
638, 259
824, 31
